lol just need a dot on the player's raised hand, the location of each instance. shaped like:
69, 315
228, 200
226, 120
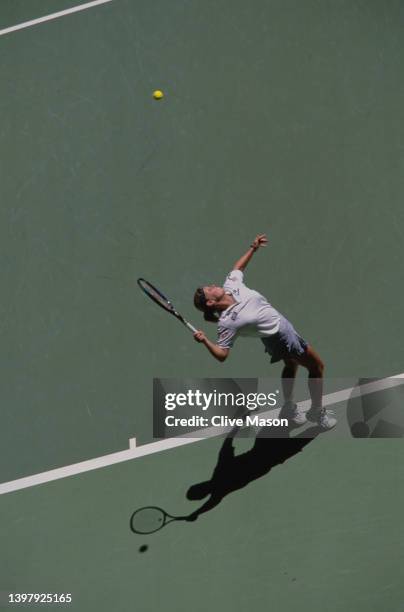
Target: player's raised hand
259, 241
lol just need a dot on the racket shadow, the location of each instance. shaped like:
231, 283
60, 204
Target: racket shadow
234, 472
150, 519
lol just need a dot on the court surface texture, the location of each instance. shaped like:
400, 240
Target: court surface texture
277, 117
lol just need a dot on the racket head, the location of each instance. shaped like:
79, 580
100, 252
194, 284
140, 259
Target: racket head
148, 520
156, 295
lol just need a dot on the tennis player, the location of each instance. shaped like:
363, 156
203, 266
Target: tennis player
240, 311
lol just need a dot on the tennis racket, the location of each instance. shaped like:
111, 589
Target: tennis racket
162, 301
151, 519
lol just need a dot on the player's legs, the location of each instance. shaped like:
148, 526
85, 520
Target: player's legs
288, 378
317, 414
294, 351
289, 409
313, 363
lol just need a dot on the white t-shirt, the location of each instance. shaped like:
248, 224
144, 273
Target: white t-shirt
251, 315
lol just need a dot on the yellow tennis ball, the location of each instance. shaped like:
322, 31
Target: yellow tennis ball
157, 95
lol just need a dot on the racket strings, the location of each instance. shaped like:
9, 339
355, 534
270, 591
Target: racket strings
147, 520
155, 295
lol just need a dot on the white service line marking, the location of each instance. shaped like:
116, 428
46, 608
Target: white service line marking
161, 445
69, 11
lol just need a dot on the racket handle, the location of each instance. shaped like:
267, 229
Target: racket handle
190, 327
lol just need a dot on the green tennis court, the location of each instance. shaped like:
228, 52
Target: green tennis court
277, 117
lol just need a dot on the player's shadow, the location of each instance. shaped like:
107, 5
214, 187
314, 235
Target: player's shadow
234, 472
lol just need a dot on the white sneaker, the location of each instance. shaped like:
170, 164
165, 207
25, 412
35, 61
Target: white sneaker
290, 411
322, 417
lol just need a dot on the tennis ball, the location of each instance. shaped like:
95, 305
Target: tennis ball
157, 95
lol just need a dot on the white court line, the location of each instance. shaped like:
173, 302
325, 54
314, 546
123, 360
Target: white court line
69, 11
161, 445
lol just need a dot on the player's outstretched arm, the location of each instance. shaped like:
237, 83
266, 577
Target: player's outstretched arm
259, 241
213, 501
219, 353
